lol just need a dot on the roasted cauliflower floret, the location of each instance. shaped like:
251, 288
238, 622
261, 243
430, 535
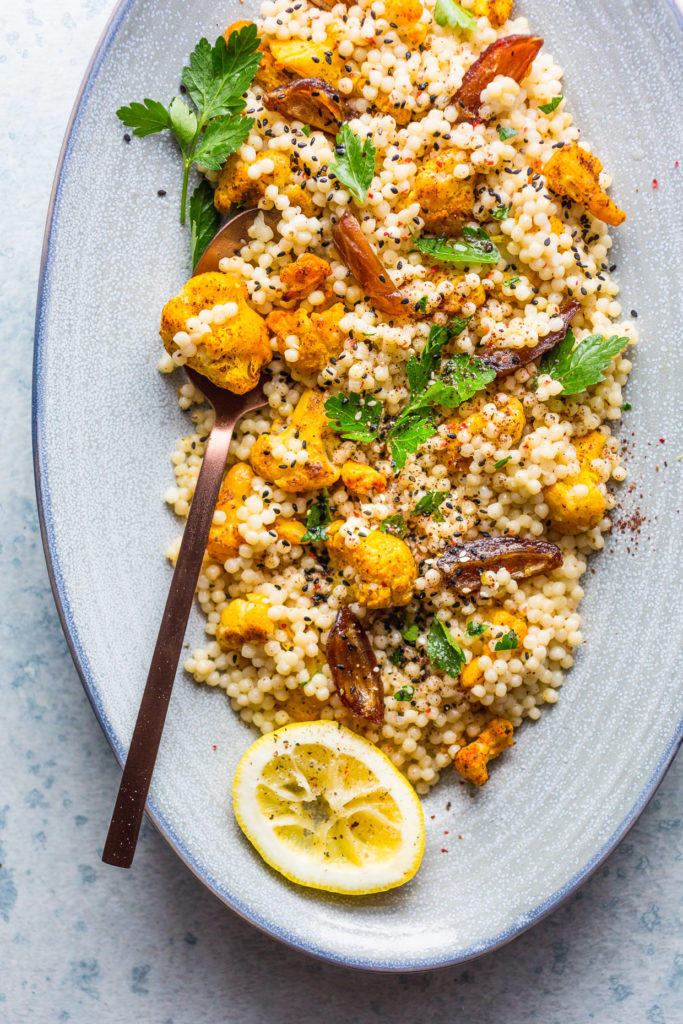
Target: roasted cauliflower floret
318, 335
500, 419
302, 277
445, 200
576, 503
212, 325
300, 707
471, 761
497, 11
224, 538
236, 188
361, 479
303, 58
406, 15
245, 621
384, 569
502, 624
452, 301
295, 458
574, 172
289, 530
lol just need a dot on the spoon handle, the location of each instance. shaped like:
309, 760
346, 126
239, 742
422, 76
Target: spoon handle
119, 848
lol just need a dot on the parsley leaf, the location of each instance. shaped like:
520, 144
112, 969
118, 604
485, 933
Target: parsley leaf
398, 658
411, 634
407, 436
459, 380
476, 628
420, 368
394, 524
355, 418
548, 108
318, 518
475, 246
355, 164
506, 133
204, 220
429, 505
501, 462
580, 366
448, 12
216, 78
502, 212
444, 650
508, 642
405, 693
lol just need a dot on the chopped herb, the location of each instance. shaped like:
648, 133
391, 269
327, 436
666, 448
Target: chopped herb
444, 650
475, 246
356, 418
448, 12
421, 304
394, 524
409, 435
506, 133
318, 518
405, 693
305, 682
398, 658
476, 628
502, 212
215, 80
508, 642
548, 108
306, 130
429, 505
626, 406
204, 220
355, 164
411, 634
501, 462
580, 366
512, 282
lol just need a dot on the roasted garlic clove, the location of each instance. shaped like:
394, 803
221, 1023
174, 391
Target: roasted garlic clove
462, 564
354, 668
511, 56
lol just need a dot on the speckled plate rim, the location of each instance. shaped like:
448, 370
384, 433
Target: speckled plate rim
80, 657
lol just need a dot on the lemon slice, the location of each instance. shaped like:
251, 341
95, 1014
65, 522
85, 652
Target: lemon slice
327, 809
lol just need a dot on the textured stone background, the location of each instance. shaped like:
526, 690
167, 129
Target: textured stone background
84, 943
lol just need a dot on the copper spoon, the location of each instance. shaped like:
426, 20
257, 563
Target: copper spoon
122, 837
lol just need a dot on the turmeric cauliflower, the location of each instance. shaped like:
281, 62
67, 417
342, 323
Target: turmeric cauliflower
245, 621
213, 327
500, 418
361, 479
295, 458
300, 278
445, 199
501, 624
383, 565
406, 15
224, 538
497, 11
318, 335
577, 504
236, 187
471, 761
574, 172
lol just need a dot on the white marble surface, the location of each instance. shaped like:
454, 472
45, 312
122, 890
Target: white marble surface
82, 942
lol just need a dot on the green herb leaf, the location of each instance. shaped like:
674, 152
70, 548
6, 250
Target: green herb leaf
355, 418
407, 436
355, 164
506, 133
501, 462
305, 682
204, 220
394, 524
218, 75
448, 12
444, 650
146, 118
223, 136
626, 406
411, 633
183, 122
397, 658
512, 282
502, 212
476, 628
475, 246
459, 380
429, 504
548, 108
420, 368
421, 304
306, 130
508, 642
581, 366
318, 518
405, 693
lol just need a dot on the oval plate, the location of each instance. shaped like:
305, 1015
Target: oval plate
105, 423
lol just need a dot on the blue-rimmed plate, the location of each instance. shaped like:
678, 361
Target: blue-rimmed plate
105, 423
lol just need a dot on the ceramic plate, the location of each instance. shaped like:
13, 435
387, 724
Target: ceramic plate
106, 422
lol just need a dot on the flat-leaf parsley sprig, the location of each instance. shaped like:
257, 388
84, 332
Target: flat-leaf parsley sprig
580, 366
355, 163
216, 79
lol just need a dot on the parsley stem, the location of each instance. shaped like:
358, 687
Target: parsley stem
188, 160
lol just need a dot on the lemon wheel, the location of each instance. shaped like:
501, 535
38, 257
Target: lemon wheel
329, 810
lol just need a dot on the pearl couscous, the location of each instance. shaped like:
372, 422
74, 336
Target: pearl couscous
309, 521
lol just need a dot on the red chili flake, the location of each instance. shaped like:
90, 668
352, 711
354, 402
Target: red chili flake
214, 746
655, 183
676, 163
443, 850
445, 832
662, 441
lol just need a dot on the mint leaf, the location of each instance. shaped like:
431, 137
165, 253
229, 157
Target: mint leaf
405, 693
411, 633
548, 108
476, 628
355, 164
146, 118
506, 133
204, 220
394, 524
443, 650
508, 642
183, 122
448, 12
580, 366
223, 136
502, 212
318, 518
355, 418
218, 75
430, 503
475, 246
